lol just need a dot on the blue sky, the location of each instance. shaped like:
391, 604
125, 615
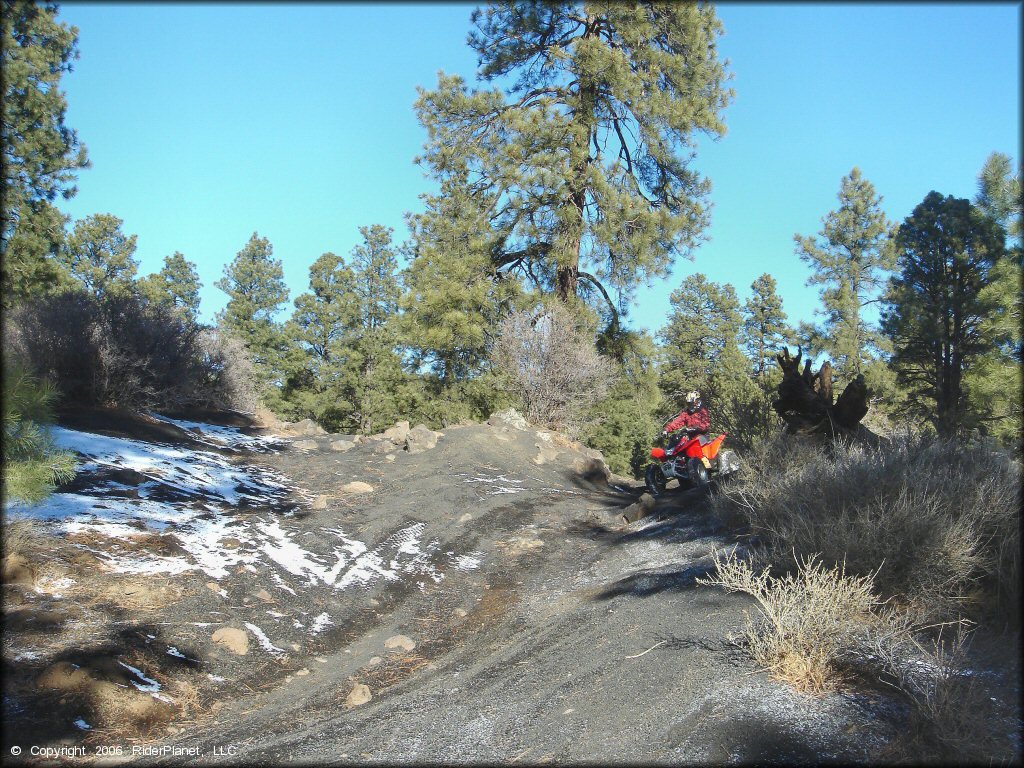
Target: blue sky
207, 122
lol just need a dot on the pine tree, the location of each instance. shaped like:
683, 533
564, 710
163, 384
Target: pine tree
764, 332
101, 257
254, 283
32, 467
343, 367
704, 322
175, 286
586, 159
993, 382
41, 153
701, 351
851, 259
454, 295
937, 306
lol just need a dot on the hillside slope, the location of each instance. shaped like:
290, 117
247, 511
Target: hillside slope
472, 597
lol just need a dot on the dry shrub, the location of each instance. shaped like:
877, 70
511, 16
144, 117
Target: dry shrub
938, 520
230, 377
821, 629
121, 351
551, 363
810, 618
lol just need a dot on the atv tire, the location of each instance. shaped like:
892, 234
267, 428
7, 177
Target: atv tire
656, 480
697, 473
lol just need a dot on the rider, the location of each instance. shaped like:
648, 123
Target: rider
693, 418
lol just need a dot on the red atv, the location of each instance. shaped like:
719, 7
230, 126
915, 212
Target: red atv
693, 460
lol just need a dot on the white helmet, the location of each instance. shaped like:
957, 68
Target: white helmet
692, 400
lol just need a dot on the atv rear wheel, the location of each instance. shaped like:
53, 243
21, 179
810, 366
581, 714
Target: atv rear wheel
655, 479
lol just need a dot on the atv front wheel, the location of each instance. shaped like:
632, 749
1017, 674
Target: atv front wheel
655, 479
698, 473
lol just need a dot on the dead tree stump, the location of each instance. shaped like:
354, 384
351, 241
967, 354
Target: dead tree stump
805, 400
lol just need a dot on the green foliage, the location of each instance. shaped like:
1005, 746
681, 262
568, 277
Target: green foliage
704, 322
100, 256
993, 382
32, 467
41, 154
624, 424
585, 160
254, 283
176, 286
343, 368
701, 351
850, 259
454, 295
938, 304
764, 331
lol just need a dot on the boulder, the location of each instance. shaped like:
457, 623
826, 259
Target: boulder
305, 445
359, 695
357, 486
510, 417
591, 467
235, 640
421, 439
320, 502
342, 445
306, 427
397, 433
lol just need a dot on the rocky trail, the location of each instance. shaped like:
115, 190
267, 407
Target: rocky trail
209, 592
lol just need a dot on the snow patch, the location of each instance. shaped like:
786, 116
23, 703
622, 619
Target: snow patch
264, 641
320, 623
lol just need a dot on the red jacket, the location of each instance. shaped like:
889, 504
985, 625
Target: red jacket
698, 421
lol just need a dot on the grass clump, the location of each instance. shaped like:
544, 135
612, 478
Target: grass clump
936, 521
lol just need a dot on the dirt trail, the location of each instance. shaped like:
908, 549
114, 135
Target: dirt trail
483, 602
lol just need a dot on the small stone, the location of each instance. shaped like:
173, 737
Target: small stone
460, 612
264, 596
305, 445
357, 486
296, 647
374, 602
465, 518
389, 457
231, 542
235, 640
360, 695
320, 502
404, 642
302, 672
374, 661
342, 445
213, 586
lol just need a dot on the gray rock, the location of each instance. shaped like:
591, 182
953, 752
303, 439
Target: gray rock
421, 439
397, 433
305, 445
510, 417
306, 427
342, 445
